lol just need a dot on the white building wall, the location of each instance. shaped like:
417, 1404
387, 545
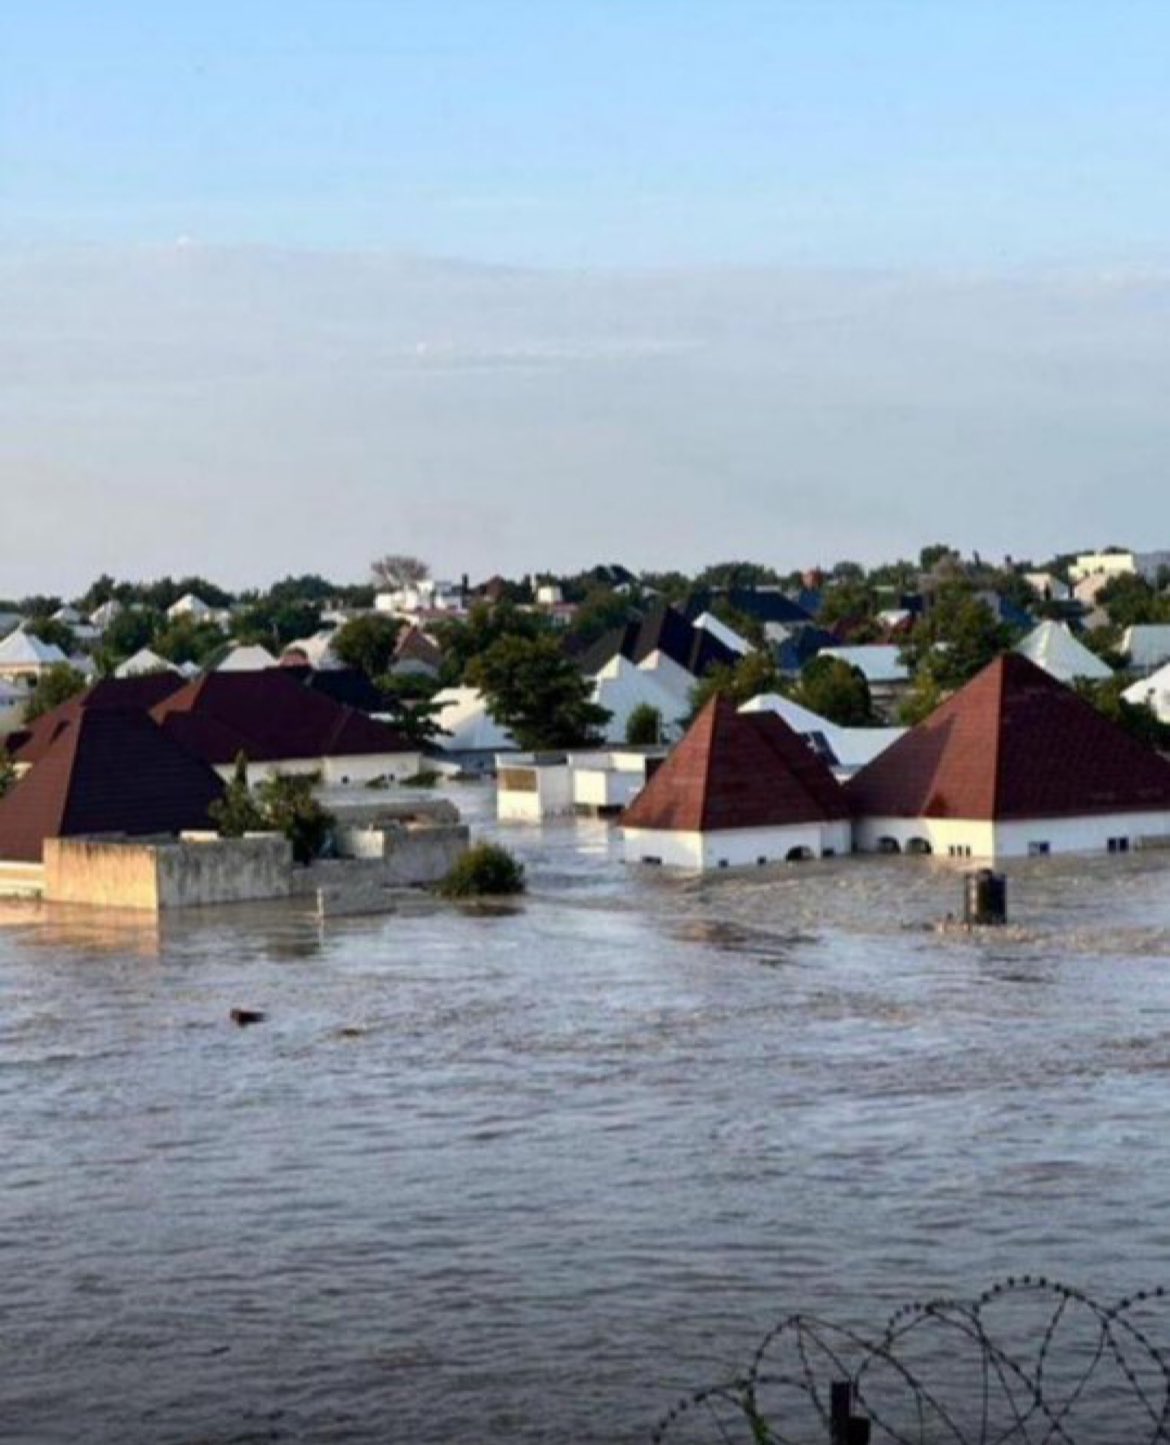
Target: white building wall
547, 791
968, 837
335, 772
356, 771
606, 787
734, 847
975, 838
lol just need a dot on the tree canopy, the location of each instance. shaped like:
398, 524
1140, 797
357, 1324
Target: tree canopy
367, 642
535, 691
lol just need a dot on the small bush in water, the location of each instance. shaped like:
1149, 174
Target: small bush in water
486, 869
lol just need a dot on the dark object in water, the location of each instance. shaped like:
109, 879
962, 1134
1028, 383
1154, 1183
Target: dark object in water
984, 898
245, 1016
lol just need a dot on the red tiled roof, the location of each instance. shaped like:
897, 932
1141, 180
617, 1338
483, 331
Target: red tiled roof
270, 717
1014, 743
109, 771
737, 770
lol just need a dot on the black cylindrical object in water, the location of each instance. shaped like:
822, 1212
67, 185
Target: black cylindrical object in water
985, 897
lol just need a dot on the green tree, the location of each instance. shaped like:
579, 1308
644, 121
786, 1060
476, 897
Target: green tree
368, 643
1138, 719
485, 870
932, 555
409, 701
754, 673
957, 638
737, 575
238, 812
53, 633
57, 685
188, 639
129, 632
644, 725
1129, 601
465, 641
535, 691
850, 600
831, 687
599, 613
924, 696
291, 807
274, 623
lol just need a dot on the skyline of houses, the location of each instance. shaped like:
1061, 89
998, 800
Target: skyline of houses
729, 786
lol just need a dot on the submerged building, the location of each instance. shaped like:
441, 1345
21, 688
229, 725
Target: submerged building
740, 788
1015, 763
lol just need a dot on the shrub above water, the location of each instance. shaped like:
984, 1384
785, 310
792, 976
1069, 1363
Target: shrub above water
486, 870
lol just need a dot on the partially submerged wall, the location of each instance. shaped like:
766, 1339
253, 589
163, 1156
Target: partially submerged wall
224, 870
153, 874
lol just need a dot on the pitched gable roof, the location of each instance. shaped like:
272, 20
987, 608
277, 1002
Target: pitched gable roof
664, 629
110, 771
1013, 744
737, 770
270, 717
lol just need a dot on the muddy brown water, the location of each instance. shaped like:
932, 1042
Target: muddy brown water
527, 1176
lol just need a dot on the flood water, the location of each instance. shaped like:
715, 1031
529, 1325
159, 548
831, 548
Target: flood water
528, 1176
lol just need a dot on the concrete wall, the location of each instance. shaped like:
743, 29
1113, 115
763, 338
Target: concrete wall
528, 793
224, 870
157, 874
381, 860
968, 838
734, 847
104, 872
22, 880
424, 855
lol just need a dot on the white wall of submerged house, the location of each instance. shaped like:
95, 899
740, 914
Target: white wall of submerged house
529, 790
335, 772
735, 847
991, 841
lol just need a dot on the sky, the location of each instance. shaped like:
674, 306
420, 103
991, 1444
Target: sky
184, 186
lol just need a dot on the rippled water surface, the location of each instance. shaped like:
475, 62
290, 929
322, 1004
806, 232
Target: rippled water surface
527, 1176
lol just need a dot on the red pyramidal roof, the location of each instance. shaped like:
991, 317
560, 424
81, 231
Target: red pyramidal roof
109, 771
1013, 743
737, 770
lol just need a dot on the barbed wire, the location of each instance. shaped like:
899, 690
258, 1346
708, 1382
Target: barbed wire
1030, 1361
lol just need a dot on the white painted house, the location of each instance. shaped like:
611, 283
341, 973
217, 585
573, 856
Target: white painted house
740, 790
142, 662
1152, 692
24, 658
1053, 647
1014, 764
621, 687
1147, 645
845, 749
533, 786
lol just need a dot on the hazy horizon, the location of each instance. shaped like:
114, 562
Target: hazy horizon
247, 412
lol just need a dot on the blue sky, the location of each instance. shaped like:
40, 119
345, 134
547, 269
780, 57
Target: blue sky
789, 279
933, 133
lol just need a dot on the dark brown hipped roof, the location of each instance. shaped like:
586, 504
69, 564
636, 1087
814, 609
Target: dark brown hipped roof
31, 744
271, 718
109, 771
737, 770
1014, 743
